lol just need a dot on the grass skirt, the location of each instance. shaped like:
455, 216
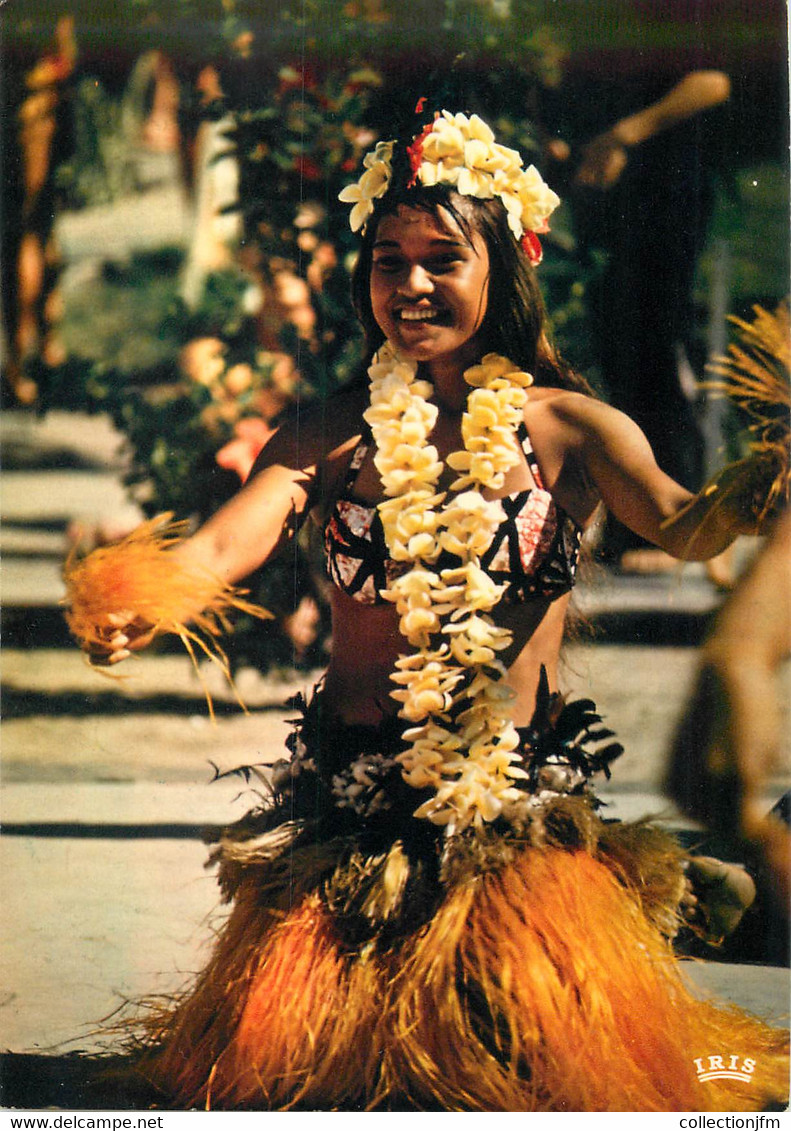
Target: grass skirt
369, 964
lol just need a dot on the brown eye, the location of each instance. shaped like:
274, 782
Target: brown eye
389, 264
439, 264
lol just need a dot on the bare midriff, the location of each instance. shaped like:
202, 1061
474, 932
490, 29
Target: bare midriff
366, 644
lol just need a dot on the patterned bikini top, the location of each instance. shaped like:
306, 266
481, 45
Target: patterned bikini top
534, 552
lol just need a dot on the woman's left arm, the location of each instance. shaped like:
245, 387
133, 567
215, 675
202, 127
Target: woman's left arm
618, 461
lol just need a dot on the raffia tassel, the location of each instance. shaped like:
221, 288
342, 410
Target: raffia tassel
140, 578
755, 376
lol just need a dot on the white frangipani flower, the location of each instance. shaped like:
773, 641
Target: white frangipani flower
462, 152
464, 746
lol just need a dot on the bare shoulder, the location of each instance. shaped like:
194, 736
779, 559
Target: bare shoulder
579, 441
578, 419
559, 417
556, 424
569, 407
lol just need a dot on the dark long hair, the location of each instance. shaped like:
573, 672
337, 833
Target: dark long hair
515, 324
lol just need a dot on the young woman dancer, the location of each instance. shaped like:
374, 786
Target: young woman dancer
430, 913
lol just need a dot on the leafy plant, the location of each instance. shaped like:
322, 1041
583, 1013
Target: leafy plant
301, 92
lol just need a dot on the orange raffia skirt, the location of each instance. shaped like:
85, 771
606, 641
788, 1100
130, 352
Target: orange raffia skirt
531, 971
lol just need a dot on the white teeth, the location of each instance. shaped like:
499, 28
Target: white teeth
408, 315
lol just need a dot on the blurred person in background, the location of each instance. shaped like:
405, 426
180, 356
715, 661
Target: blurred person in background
36, 134
643, 130
729, 740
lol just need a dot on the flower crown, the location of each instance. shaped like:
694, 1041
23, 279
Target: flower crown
461, 151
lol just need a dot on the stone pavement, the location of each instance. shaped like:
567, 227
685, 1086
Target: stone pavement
107, 782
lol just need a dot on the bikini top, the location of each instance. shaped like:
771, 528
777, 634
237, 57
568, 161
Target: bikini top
534, 552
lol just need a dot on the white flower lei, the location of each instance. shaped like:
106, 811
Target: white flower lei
463, 743
461, 151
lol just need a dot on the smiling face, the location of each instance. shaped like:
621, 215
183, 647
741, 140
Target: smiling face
429, 287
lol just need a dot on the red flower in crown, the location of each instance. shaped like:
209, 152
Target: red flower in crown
415, 153
531, 245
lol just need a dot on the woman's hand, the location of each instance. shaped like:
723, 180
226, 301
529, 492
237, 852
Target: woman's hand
125, 634
739, 501
603, 161
750, 490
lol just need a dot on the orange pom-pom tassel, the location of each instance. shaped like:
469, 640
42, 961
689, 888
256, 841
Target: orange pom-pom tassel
140, 579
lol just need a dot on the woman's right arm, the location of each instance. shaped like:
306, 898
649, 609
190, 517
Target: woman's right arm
301, 463
256, 522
